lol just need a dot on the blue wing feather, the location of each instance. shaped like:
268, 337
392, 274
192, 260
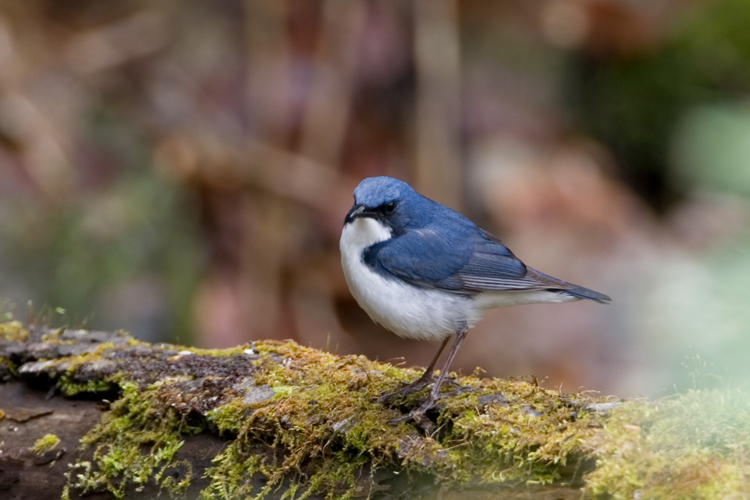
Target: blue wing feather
461, 260
421, 257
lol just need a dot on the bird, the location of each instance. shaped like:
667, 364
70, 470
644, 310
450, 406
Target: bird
424, 271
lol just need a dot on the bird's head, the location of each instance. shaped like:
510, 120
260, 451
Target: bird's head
391, 202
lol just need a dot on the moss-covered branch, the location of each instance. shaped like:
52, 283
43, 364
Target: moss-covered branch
277, 420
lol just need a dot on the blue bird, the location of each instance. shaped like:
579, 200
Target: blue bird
424, 271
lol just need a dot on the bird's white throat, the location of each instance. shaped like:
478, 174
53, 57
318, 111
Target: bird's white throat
361, 233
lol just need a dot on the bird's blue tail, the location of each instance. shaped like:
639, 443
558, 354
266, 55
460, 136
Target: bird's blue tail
586, 293
565, 288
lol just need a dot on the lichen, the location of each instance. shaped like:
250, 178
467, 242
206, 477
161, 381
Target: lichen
45, 443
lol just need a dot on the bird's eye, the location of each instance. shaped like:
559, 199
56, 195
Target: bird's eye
388, 208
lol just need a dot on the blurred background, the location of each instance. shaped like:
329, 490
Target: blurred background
181, 169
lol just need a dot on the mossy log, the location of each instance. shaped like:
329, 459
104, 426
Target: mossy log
102, 415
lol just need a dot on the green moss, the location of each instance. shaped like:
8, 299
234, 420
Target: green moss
132, 444
5, 362
694, 446
44, 444
324, 415
304, 422
321, 416
231, 351
92, 386
13, 331
71, 384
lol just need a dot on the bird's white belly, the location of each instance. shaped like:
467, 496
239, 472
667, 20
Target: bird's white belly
404, 309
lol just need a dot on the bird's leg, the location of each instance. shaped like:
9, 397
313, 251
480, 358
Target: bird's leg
419, 414
427, 376
424, 380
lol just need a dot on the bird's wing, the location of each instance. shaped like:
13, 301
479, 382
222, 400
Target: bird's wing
460, 261
468, 262
493, 267
486, 272
421, 257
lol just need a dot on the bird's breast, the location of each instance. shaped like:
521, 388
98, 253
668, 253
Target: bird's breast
402, 308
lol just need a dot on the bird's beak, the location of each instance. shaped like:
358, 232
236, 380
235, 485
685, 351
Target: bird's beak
354, 212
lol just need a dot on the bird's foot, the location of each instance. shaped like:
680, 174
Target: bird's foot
460, 389
406, 390
415, 387
419, 415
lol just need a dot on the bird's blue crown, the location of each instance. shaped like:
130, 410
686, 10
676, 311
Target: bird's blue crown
376, 191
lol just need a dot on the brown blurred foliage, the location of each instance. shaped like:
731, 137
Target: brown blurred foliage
263, 115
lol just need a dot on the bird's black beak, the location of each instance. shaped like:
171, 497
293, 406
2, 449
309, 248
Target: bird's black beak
354, 212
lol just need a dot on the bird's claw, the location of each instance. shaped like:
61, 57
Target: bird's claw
460, 389
419, 415
416, 386
406, 390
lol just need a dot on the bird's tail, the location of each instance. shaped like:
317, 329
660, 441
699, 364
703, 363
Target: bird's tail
566, 288
586, 293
